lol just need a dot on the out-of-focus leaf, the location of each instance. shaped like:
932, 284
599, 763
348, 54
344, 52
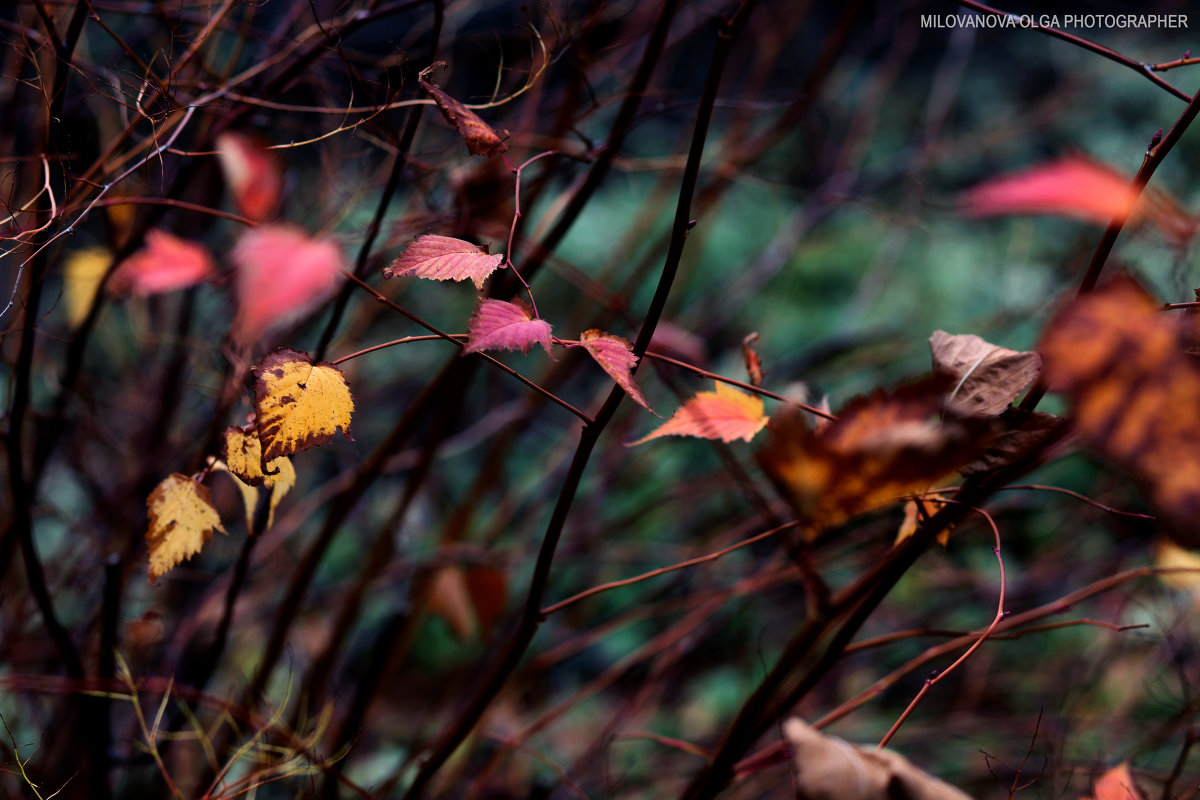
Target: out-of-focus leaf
675, 342
828, 768
497, 325
1169, 555
252, 173
1080, 188
1136, 395
165, 264
1116, 784
615, 356
725, 414
298, 404
987, 378
480, 138
1021, 433
915, 511
450, 599
82, 273
182, 520
488, 587
282, 273
441, 258
880, 448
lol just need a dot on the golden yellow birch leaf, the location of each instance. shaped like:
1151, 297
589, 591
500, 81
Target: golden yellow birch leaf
182, 520
249, 493
280, 477
299, 404
81, 280
243, 454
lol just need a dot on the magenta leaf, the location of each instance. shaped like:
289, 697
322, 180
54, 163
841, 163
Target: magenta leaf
497, 325
441, 258
615, 356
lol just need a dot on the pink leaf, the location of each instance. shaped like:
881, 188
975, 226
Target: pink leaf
252, 173
725, 414
441, 258
282, 273
165, 264
615, 356
497, 325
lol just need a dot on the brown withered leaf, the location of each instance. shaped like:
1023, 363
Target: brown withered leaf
880, 448
480, 138
1022, 434
1136, 395
987, 377
828, 768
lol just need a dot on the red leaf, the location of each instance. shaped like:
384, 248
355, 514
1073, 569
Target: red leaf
1117, 784
615, 356
252, 173
441, 258
497, 325
281, 274
725, 414
1074, 187
165, 264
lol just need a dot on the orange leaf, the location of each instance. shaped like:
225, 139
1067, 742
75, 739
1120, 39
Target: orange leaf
880, 448
615, 356
441, 258
480, 138
725, 414
1116, 784
1136, 394
252, 173
282, 273
165, 264
497, 325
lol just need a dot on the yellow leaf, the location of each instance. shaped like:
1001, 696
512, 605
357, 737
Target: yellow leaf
299, 404
82, 275
249, 493
243, 455
182, 520
280, 477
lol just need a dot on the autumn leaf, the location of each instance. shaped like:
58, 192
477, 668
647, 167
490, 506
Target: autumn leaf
82, 274
182, 520
488, 588
1116, 784
242, 452
1021, 434
280, 480
827, 768
987, 377
282, 273
441, 258
298, 404
252, 173
1079, 188
917, 511
480, 138
1135, 393
726, 414
165, 264
497, 325
1170, 556
615, 356
879, 449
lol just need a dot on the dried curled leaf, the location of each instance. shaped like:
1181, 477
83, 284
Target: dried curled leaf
442, 258
880, 448
725, 414
497, 325
987, 377
830, 769
165, 264
298, 404
480, 138
1116, 784
252, 173
1021, 434
182, 520
1136, 395
615, 356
